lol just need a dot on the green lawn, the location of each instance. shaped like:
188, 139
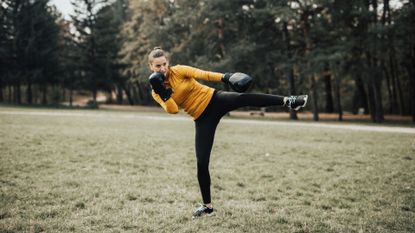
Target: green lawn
108, 171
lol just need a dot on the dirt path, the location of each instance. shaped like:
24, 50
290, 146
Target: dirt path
345, 126
180, 117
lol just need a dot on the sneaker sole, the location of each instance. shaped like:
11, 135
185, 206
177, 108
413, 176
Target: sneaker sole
301, 106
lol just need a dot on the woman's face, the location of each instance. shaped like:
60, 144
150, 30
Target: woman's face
160, 64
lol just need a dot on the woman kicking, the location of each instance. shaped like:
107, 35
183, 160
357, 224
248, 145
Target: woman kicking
176, 86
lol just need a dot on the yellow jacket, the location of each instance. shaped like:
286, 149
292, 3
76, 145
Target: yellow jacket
188, 94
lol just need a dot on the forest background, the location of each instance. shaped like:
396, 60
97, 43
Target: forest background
353, 56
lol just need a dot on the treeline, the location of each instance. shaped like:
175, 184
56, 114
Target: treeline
356, 56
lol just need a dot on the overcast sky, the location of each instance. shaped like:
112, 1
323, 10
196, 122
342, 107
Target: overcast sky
64, 6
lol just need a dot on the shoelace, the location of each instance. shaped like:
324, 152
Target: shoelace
291, 100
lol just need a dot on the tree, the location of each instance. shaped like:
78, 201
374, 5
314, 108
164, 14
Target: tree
405, 19
28, 46
69, 72
89, 53
5, 45
9, 55
346, 51
39, 48
108, 26
145, 29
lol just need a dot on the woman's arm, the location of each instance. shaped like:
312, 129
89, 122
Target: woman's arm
191, 72
169, 106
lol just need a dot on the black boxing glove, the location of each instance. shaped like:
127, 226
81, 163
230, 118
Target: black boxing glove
239, 82
157, 84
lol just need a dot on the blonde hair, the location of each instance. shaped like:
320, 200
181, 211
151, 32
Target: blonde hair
155, 53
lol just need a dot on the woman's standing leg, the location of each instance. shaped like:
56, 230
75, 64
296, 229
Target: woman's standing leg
205, 133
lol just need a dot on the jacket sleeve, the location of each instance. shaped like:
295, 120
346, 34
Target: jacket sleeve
169, 106
191, 72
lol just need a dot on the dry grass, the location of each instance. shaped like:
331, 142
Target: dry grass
102, 171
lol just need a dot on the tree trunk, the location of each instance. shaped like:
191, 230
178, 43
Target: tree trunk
71, 96
128, 94
337, 93
141, 92
10, 94
397, 82
400, 96
371, 102
379, 115
29, 92
129, 97
289, 70
412, 80
360, 97
314, 97
44, 94
393, 76
291, 83
109, 99
1, 93
308, 43
389, 87
94, 96
411, 73
35, 93
120, 96
374, 85
63, 98
328, 91
220, 36
137, 96
17, 93
377, 79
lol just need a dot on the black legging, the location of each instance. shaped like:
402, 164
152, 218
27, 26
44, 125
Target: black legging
221, 103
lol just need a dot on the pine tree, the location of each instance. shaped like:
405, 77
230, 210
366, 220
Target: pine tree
29, 46
146, 29
108, 26
405, 46
88, 51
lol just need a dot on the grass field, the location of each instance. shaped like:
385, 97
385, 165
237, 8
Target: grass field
109, 171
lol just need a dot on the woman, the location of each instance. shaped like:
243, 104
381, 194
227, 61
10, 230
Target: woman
175, 87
